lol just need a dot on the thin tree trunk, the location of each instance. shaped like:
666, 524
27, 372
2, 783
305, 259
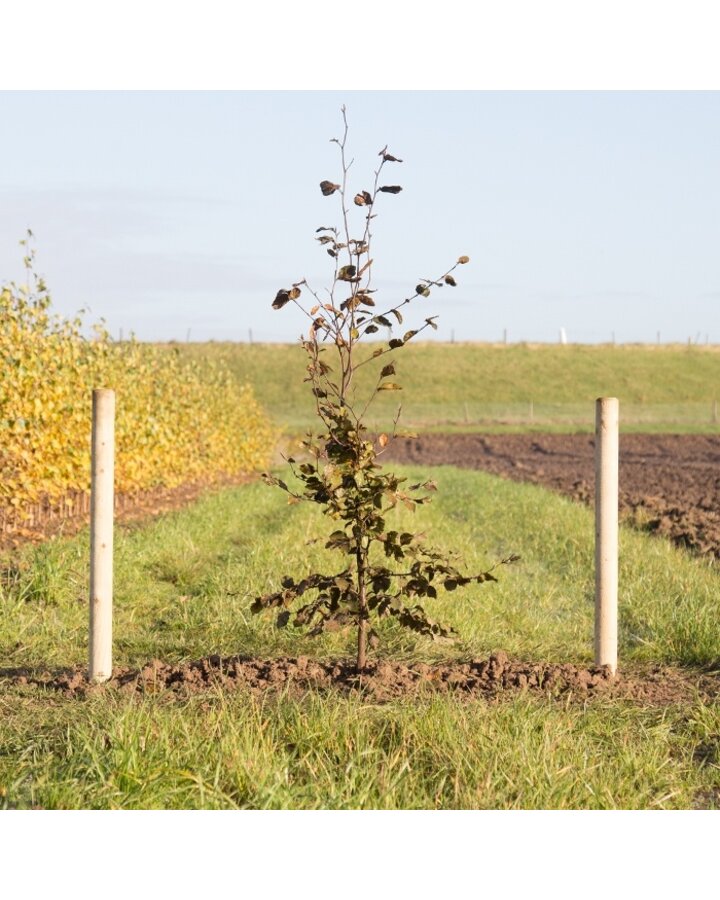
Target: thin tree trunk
362, 614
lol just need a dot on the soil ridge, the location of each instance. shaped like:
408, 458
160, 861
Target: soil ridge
490, 678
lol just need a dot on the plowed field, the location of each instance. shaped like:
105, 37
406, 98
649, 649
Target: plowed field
669, 484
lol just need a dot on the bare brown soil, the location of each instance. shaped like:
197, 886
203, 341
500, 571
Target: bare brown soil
492, 679
669, 484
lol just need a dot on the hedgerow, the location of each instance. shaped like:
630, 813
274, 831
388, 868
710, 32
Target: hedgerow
176, 421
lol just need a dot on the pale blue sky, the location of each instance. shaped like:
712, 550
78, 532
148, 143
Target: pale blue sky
169, 212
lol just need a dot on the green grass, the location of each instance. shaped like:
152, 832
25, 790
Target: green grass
513, 387
230, 752
184, 584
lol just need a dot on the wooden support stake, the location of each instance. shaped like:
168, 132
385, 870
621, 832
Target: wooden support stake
101, 534
606, 531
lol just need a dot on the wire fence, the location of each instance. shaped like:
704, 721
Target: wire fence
466, 414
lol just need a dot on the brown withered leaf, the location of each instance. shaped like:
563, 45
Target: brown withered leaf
388, 157
450, 280
383, 440
390, 189
327, 187
347, 273
463, 259
388, 370
294, 292
364, 198
281, 298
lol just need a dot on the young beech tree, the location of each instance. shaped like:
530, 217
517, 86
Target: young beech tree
384, 572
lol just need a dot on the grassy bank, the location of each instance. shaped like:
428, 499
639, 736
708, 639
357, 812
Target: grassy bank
515, 386
184, 584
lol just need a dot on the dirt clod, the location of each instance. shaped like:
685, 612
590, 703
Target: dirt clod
492, 678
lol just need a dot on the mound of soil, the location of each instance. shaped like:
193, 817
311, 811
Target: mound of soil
492, 678
669, 484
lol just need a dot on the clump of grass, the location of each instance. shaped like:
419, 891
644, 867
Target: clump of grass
234, 752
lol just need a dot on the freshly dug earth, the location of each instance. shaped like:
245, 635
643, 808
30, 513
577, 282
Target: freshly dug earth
492, 678
669, 484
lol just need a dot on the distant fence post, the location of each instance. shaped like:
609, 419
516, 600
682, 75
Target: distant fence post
101, 534
606, 531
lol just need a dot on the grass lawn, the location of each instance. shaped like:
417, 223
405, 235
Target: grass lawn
184, 584
518, 386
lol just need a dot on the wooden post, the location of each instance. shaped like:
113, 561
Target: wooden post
101, 534
606, 531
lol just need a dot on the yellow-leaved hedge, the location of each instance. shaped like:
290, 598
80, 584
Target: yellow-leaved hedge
176, 421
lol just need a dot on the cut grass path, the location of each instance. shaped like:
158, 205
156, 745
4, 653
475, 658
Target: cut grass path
184, 584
